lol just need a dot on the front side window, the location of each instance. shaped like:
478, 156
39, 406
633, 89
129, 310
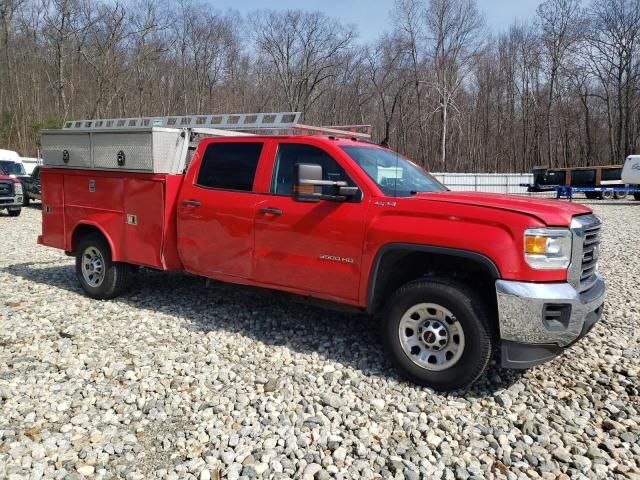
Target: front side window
229, 166
395, 175
291, 153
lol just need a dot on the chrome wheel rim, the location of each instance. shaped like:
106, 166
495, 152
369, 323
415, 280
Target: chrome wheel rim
431, 336
93, 269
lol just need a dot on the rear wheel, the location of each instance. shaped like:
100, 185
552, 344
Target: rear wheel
14, 212
620, 195
99, 276
636, 196
438, 334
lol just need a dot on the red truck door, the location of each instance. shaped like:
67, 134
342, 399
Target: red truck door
314, 247
217, 208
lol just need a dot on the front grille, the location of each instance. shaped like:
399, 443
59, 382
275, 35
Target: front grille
6, 189
590, 253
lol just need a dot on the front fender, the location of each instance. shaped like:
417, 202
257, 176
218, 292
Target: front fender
495, 235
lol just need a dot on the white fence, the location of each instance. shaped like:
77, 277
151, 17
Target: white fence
486, 182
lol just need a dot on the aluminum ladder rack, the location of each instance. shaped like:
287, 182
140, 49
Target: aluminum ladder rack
281, 123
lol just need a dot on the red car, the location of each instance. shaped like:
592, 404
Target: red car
451, 275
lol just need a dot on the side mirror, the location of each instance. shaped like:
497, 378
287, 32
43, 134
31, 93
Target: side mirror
308, 185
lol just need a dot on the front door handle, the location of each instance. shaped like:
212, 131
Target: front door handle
270, 211
191, 203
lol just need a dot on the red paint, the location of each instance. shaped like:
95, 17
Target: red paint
228, 238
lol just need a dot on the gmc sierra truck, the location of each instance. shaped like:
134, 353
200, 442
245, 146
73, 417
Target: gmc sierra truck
453, 277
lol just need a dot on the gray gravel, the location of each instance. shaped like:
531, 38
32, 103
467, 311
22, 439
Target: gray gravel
184, 379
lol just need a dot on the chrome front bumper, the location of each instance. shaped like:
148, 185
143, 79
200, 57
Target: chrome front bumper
538, 320
15, 201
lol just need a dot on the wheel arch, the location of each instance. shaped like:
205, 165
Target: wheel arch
83, 229
414, 261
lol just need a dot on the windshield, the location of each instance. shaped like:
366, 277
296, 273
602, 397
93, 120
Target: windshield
395, 175
11, 168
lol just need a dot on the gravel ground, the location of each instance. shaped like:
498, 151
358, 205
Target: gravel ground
184, 379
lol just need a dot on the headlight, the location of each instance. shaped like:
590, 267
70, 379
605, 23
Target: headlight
18, 188
547, 248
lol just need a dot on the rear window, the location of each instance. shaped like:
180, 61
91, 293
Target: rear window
229, 166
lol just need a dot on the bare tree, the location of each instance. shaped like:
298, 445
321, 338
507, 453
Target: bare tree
456, 29
561, 24
437, 87
305, 49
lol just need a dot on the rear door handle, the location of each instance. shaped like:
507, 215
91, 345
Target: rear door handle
191, 203
270, 211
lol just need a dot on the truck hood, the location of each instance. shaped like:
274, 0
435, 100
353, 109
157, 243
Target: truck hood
551, 212
10, 178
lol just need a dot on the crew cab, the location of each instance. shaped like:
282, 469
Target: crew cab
451, 276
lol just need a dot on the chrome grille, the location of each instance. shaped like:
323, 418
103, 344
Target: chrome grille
6, 189
586, 250
590, 252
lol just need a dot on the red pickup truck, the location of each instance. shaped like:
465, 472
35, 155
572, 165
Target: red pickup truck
451, 276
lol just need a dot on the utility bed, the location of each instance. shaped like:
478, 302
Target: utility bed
124, 174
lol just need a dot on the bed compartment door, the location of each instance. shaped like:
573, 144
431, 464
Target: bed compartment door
143, 215
53, 227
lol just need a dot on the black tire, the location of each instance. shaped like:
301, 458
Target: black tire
620, 195
14, 212
117, 276
606, 195
25, 200
474, 320
636, 196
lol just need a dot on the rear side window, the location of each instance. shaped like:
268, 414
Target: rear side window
229, 166
291, 153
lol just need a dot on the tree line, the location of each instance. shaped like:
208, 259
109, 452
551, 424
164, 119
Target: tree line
561, 90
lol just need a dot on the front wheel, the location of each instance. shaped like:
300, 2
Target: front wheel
99, 276
438, 334
14, 212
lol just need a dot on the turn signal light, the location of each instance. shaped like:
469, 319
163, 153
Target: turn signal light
535, 245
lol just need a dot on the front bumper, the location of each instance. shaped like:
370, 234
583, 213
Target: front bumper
15, 201
539, 320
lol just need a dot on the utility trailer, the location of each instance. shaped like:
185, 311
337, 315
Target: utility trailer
596, 183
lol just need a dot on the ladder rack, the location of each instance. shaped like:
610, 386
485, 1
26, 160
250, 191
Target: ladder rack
240, 122
164, 144
280, 123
